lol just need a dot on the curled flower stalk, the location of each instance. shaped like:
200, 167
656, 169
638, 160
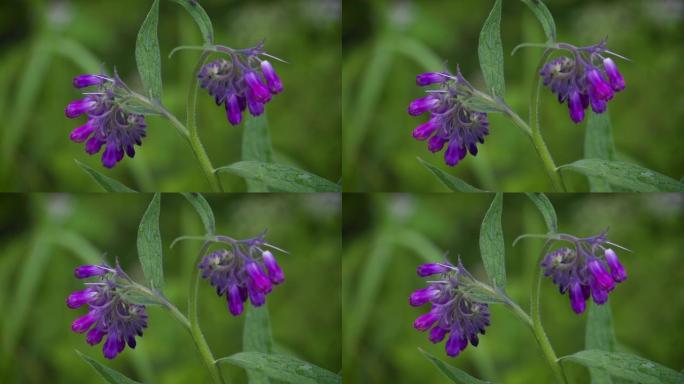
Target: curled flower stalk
108, 123
245, 271
244, 81
588, 269
453, 314
589, 78
452, 122
110, 314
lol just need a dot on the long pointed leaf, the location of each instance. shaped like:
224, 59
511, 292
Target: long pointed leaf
203, 210
545, 18
147, 54
452, 182
626, 175
107, 183
283, 368
626, 366
490, 51
454, 374
281, 177
201, 18
150, 245
545, 207
256, 145
492, 247
111, 375
598, 144
599, 335
256, 337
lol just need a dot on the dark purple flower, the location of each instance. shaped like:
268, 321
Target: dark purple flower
452, 311
582, 270
589, 74
431, 78
245, 271
109, 124
109, 312
244, 81
451, 121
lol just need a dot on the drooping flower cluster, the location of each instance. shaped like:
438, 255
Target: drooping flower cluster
451, 122
108, 123
244, 271
452, 313
590, 269
109, 313
243, 82
589, 78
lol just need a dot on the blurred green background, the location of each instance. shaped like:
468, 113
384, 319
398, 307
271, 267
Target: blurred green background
386, 236
43, 237
387, 42
45, 43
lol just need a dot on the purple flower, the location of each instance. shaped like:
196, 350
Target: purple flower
451, 121
245, 271
109, 312
594, 83
452, 311
242, 82
109, 124
582, 270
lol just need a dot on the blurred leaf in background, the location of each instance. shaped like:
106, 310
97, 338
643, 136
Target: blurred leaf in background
386, 237
43, 237
387, 43
45, 43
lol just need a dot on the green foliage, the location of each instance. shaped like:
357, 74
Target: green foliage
545, 207
107, 183
598, 144
626, 175
201, 18
280, 177
626, 366
542, 13
454, 374
452, 182
492, 247
281, 367
256, 337
147, 53
204, 211
150, 245
256, 145
599, 335
490, 52
112, 376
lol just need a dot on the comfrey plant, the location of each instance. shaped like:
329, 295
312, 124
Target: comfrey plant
587, 78
583, 267
243, 270
239, 79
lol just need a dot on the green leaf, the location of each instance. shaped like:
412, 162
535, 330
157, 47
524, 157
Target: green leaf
203, 210
281, 177
626, 366
454, 374
492, 243
545, 207
283, 368
256, 145
452, 182
109, 184
256, 337
626, 175
201, 18
109, 374
150, 245
490, 51
147, 54
545, 18
599, 335
598, 144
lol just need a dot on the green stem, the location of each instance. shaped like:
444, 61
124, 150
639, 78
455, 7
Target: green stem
195, 330
538, 329
195, 142
536, 136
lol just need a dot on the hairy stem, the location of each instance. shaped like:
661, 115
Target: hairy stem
538, 329
536, 136
195, 330
195, 142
